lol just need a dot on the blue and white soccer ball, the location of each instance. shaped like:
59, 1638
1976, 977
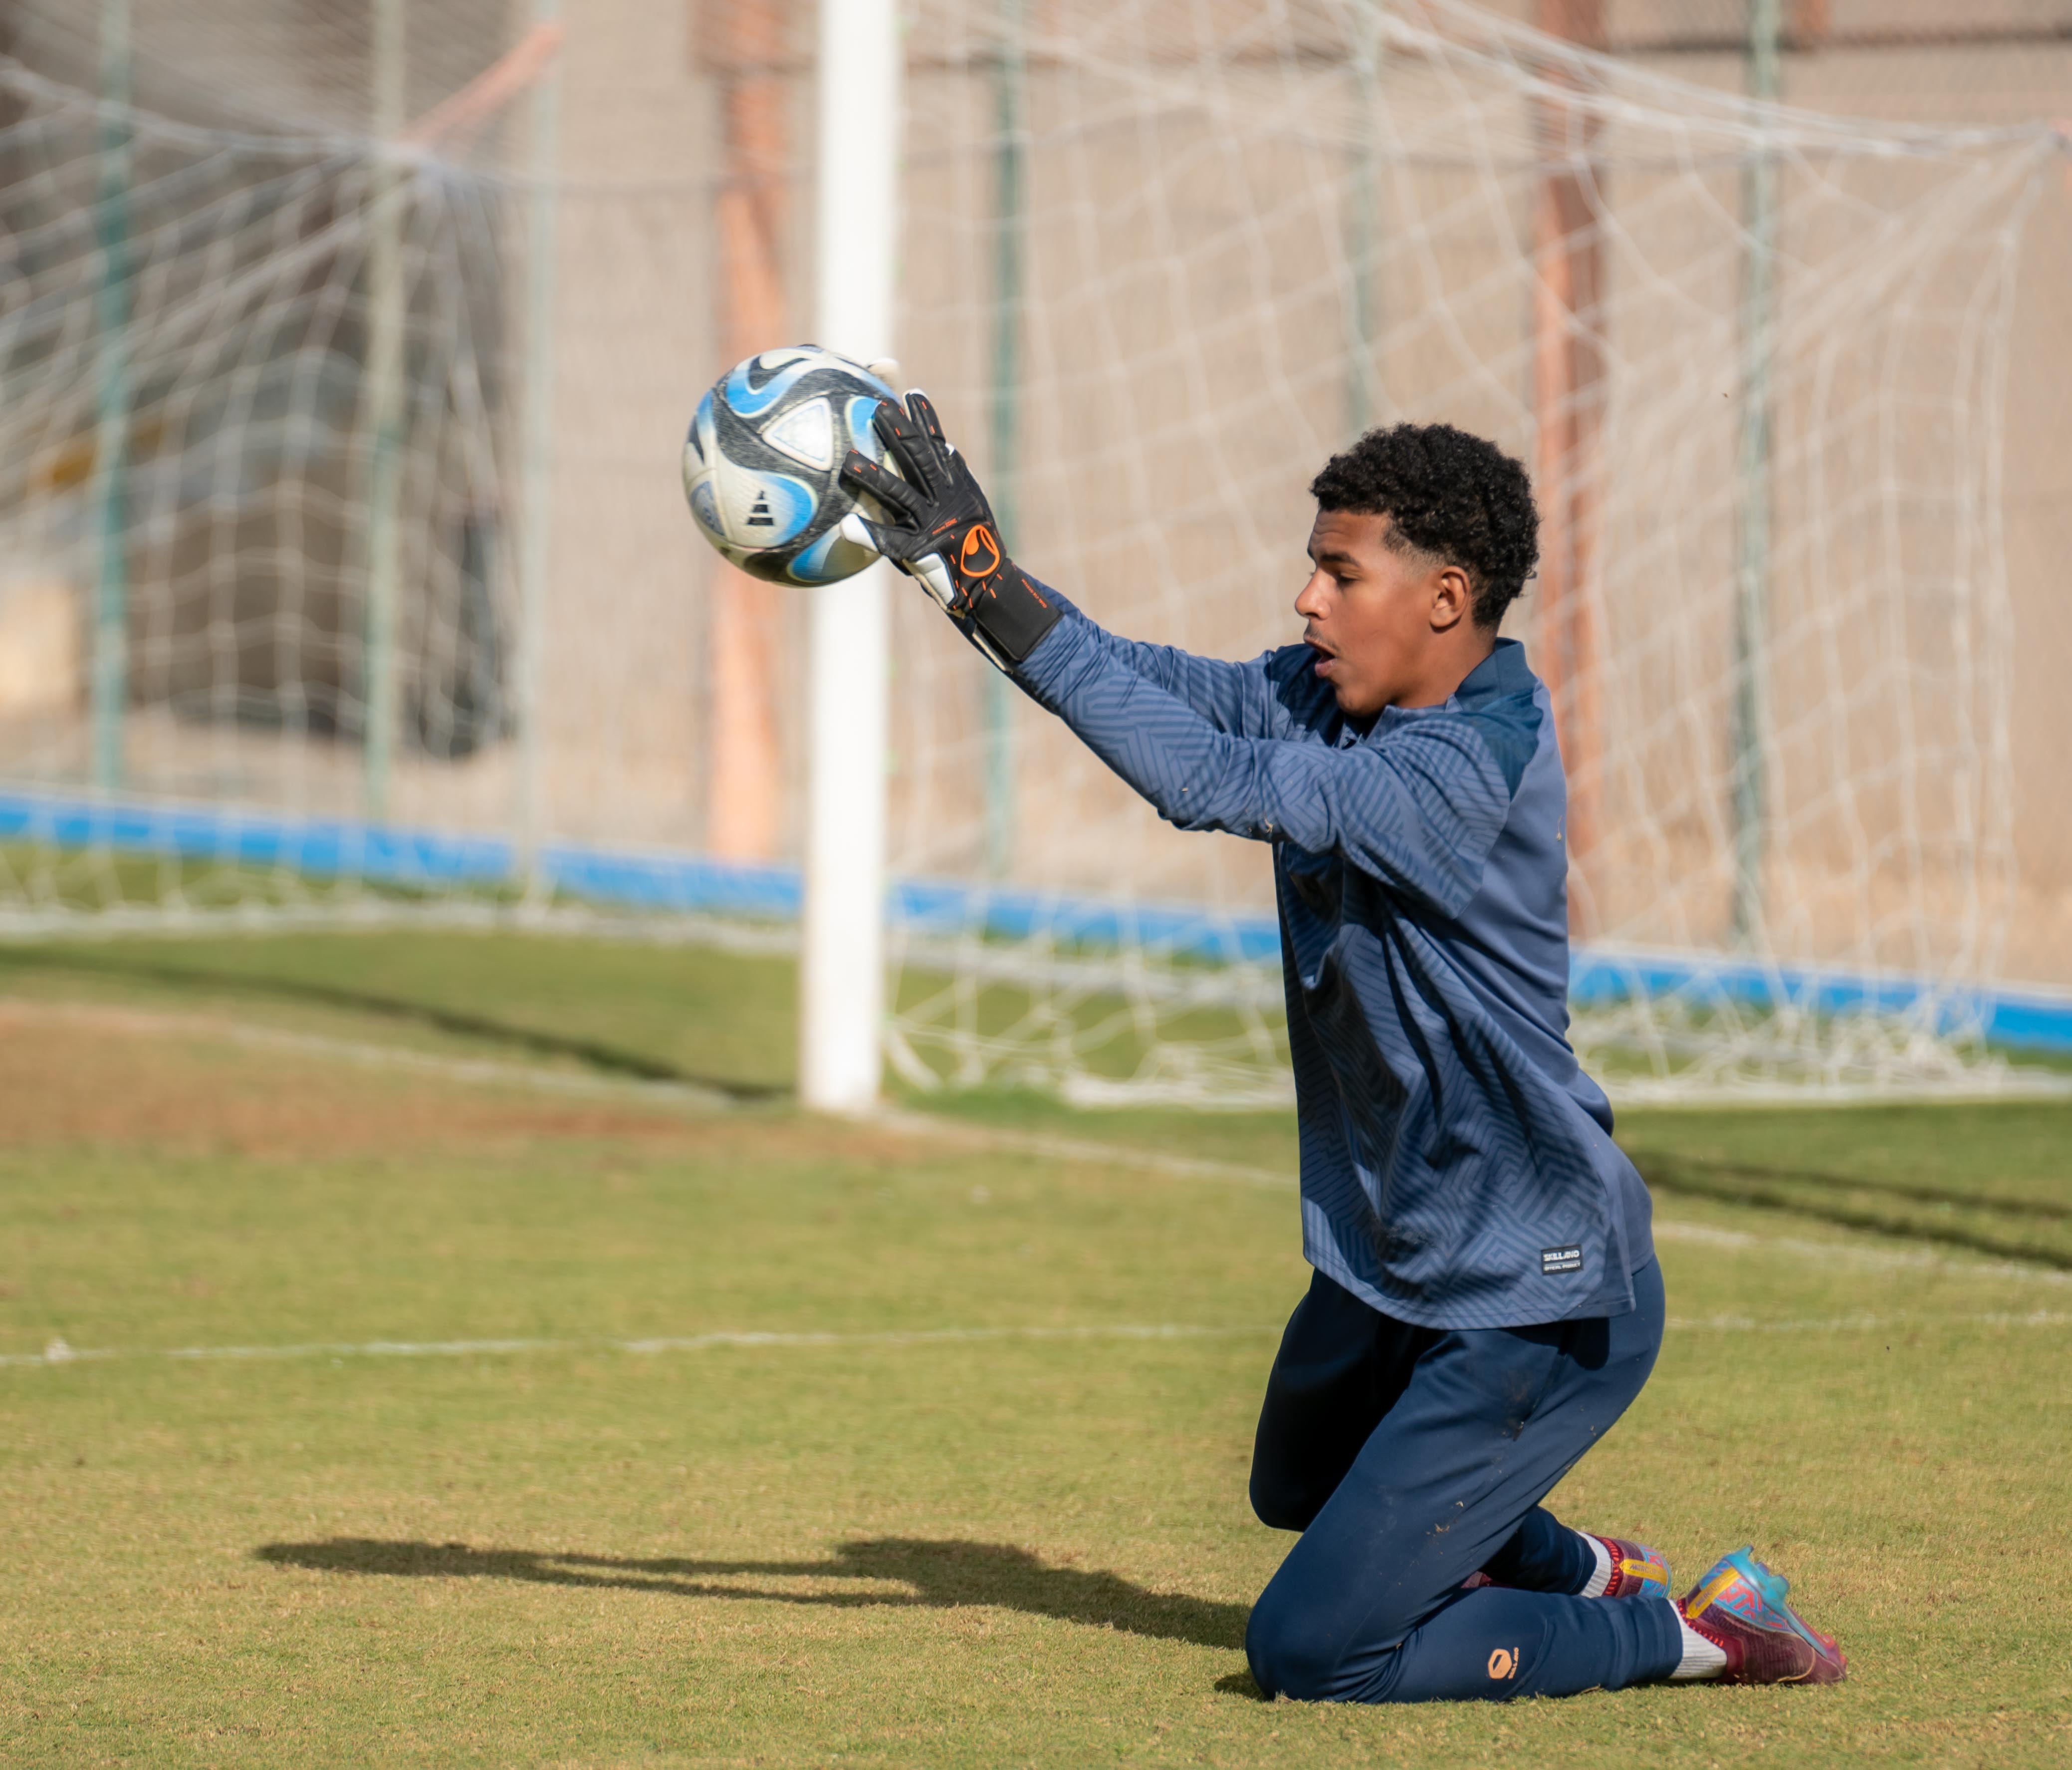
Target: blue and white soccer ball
763, 464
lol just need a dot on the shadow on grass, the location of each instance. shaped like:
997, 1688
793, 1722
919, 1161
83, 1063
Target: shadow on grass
939, 1576
1825, 1199
610, 1059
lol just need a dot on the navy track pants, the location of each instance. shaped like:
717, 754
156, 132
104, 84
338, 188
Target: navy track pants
1409, 1458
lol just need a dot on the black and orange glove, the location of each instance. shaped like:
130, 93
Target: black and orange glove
939, 530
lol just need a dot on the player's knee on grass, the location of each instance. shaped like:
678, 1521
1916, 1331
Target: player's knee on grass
1314, 1647
1293, 1651
1299, 1656
1487, 1646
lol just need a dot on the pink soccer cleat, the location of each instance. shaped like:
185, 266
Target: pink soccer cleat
1638, 1571
1740, 1607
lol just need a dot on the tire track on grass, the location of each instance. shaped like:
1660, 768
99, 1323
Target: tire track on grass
478, 1072
1781, 1189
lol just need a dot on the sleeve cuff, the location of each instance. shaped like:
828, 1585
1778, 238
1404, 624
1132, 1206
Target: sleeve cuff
1052, 655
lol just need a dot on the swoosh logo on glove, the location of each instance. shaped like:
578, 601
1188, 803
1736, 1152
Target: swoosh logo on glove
979, 555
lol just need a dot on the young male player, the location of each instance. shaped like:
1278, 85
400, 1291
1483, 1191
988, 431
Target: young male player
1485, 1301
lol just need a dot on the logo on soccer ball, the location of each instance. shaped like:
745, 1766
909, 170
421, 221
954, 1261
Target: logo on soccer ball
1503, 1662
762, 463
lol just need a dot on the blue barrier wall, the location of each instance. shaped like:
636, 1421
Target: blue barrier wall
2036, 1019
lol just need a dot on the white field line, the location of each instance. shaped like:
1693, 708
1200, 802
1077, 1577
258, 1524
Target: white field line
1082, 1151
1851, 1252
58, 1352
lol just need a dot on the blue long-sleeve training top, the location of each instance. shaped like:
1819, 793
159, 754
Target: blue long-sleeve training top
1457, 1165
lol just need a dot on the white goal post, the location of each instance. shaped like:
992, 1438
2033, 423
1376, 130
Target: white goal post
841, 970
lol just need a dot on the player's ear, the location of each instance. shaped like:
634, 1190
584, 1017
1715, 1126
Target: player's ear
1452, 599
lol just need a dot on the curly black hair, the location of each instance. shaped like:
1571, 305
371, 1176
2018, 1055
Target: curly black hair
1455, 496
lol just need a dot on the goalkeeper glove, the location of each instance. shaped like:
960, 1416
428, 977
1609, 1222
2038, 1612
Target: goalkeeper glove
941, 531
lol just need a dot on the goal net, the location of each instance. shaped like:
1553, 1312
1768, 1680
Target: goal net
346, 574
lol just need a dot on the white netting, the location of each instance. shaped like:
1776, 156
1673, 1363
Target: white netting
1160, 260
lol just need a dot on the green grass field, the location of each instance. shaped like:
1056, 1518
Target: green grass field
440, 1349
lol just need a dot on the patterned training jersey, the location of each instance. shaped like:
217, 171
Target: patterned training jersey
1458, 1166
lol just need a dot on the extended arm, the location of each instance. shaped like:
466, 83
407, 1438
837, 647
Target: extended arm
937, 526
1419, 812
1236, 697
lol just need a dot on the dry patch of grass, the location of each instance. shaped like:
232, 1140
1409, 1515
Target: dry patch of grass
105, 1076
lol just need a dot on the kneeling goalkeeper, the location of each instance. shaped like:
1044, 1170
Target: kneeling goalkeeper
1485, 1301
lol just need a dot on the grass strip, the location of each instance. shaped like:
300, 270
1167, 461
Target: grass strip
1782, 1190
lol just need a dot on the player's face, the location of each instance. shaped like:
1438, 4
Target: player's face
1369, 615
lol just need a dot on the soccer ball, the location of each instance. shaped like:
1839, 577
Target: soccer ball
763, 464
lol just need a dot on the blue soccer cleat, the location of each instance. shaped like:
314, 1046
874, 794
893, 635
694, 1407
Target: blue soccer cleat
1740, 1607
